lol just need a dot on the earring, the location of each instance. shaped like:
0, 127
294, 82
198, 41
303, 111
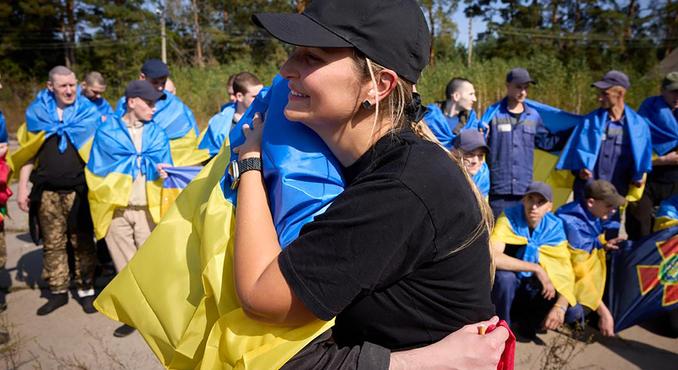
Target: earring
367, 105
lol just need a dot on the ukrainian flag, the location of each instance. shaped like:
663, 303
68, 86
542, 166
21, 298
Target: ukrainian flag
178, 121
115, 163
177, 180
663, 124
667, 214
178, 290
80, 121
546, 245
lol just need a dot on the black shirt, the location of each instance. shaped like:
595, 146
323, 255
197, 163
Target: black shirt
58, 171
381, 256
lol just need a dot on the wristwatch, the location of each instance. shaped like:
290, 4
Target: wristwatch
237, 168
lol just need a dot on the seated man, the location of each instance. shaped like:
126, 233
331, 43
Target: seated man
534, 277
471, 146
583, 220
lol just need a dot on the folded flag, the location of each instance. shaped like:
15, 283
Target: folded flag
667, 214
177, 180
643, 279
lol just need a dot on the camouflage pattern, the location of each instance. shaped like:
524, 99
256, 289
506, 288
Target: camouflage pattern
54, 210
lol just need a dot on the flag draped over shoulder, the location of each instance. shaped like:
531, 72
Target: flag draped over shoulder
80, 121
547, 246
482, 179
663, 124
214, 136
585, 237
177, 180
178, 290
178, 121
437, 122
643, 279
104, 107
115, 163
667, 214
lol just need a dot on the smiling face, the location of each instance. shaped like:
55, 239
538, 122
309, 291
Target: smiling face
325, 86
536, 206
473, 160
64, 89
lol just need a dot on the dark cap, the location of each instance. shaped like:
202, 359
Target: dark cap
469, 140
520, 76
155, 68
613, 78
393, 33
541, 189
670, 82
605, 191
144, 90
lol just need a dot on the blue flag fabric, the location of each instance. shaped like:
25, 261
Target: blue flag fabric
103, 106
171, 114
217, 130
582, 228
437, 122
80, 119
301, 174
643, 279
3, 129
113, 150
663, 124
669, 208
581, 151
554, 119
482, 179
550, 231
180, 177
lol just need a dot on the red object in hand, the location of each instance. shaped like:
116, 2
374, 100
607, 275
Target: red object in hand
507, 360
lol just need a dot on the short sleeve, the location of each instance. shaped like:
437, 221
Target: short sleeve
371, 236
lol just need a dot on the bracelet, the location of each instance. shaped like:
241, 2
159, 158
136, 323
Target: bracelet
563, 308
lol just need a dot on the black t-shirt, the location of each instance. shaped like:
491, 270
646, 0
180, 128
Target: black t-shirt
380, 257
58, 171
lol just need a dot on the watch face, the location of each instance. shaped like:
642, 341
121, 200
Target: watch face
234, 174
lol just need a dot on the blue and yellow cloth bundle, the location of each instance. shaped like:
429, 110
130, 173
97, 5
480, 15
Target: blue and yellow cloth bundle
195, 320
663, 124
667, 214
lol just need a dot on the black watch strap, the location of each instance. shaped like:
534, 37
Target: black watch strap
249, 164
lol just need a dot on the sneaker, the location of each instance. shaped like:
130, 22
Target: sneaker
123, 331
55, 301
87, 304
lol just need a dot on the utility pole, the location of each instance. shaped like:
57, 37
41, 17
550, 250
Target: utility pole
163, 35
470, 41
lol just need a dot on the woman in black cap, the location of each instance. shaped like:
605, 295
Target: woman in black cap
401, 257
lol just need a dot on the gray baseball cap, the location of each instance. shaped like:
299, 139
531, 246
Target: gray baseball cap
540, 188
520, 76
469, 140
605, 191
613, 78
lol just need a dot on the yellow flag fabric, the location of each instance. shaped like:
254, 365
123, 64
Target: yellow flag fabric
187, 310
185, 150
560, 181
590, 271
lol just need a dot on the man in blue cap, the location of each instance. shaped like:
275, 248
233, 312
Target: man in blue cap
515, 130
471, 146
661, 112
613, 143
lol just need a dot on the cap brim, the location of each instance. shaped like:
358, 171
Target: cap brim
671, 87
617, 201
474, 147
299, 30
550, 199
602, 85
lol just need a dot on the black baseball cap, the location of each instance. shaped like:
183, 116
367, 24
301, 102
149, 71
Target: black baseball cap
520, 76
144, 90
155, 68
613, 78
469, 140
393, 33
540, 188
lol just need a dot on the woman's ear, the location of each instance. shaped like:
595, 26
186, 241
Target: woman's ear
386, 81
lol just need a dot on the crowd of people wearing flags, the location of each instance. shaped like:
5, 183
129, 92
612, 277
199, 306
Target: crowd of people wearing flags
140, 188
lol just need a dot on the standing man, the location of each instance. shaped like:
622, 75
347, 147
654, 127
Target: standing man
93, 88
172, 115
613, 143
661, 112
54, 146
449, 117
515, 130
127, 157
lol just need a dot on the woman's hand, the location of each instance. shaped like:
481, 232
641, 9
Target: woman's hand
463, 349
251, 148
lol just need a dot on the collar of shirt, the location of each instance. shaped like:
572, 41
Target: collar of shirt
137, 124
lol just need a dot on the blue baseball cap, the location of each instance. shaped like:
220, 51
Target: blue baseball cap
469, 140
613, 78
155, 68
540, 188
520, 76
144, 90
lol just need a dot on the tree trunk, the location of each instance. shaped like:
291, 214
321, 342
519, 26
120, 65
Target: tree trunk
431, 53
199, 60
68, 30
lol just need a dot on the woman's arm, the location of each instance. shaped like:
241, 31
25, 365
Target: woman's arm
260, 285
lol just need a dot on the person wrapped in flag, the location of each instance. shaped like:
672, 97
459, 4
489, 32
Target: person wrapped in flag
246, 86
93, 88
172, 115
534, 278
613, 143
584, 225
54, 145
124, 175
448, 118
470, 145
667, 214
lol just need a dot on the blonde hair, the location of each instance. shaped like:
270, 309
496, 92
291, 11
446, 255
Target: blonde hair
395, 107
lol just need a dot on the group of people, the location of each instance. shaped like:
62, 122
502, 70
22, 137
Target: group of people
403, 256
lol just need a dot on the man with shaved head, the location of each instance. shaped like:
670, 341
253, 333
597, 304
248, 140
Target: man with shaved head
53, 149
93, 88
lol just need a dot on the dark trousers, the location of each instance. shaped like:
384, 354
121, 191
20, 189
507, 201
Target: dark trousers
499, 202
640, 214
521, 299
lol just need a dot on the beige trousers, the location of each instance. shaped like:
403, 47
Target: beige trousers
129, 229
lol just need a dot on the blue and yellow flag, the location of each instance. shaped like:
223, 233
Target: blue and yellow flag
545, 245
115, 163
643, 279
585, 236
482, 180
178, 121
667, 214
178, 290
177, 180
663, 124
80, 121
439, 125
